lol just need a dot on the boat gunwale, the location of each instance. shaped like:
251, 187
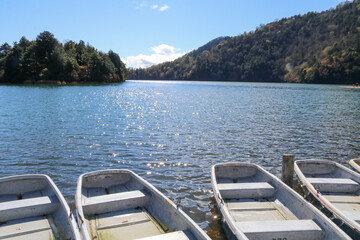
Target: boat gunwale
354, 163
224, 212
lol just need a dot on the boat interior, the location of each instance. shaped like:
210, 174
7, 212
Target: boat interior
117, 205
337, 185
29, 209
261, 208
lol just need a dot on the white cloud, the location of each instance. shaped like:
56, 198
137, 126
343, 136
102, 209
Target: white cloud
164, 49
141, 5
164, 8
162, 53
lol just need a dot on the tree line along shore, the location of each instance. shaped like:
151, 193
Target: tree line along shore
46, 60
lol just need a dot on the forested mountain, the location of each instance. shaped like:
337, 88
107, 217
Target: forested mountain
47, 59
314, 48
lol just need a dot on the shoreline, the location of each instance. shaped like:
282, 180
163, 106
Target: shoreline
57, 83
350, 87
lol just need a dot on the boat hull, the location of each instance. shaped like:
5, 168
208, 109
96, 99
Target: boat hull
118, 204
332, 200
33, 206
254, 204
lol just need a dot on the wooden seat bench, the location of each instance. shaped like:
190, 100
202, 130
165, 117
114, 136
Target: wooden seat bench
121, 218
281, 229
178, 235
247, 210
334, 184
236, 205
246, 190
24, 208
342, 198
115, 202
354, 215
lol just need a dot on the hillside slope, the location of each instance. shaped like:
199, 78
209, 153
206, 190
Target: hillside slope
313, 48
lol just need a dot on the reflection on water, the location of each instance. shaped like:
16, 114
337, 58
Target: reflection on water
215, 230
170, 133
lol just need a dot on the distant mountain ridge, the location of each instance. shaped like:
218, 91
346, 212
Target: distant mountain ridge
207, 46
313, 48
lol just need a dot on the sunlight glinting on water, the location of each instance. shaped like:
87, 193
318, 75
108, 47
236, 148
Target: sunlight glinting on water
171, 133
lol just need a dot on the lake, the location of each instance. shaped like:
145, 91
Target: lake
171, 133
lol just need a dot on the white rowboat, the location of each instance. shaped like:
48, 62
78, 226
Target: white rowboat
32, 207
255, 205
118, 204
336, 187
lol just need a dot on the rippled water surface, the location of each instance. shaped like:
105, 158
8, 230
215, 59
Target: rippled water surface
170, 133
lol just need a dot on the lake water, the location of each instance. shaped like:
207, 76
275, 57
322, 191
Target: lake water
171, 133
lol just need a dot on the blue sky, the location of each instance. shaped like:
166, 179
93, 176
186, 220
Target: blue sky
144, 32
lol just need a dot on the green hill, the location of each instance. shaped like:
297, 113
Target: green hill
313, 48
